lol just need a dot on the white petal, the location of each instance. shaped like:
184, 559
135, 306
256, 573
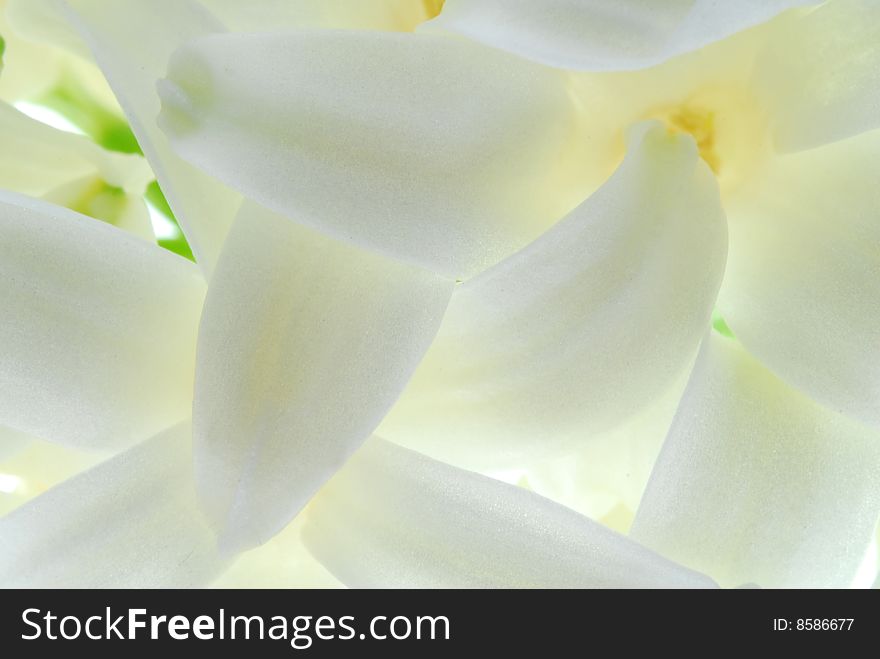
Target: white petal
759, 484
11, 442
802, 291
581, 329
97, 343
131, 522
866, 575
820, 76
305, 343
283, 562
40, 21
429, 149
132, 40
396, 518
605, 477
37, 158
272, 15
602, 35
28, 69
41, 55
38, 466
72, 171
93, 197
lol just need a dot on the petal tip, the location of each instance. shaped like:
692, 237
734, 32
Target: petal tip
176, 116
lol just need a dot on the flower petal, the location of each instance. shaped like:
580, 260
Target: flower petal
132, 40
40, 21
820, 77
28, 69
603, 35
38, 466
305, 343
11, 442
283, 562
97, 343
131, 522
605, 477
42, 55
759, 484
93, 197
395, 518
581, 329
72, 171
37, 158
272, 15
866, 575
429, 149
802, 290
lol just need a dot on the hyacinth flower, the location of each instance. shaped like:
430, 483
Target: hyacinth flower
447, 238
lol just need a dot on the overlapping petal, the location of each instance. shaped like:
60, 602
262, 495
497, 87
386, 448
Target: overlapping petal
757, 483
581, 329
602, 35
433, 150
820, 76
130, 522
283, 562
39, 21
37, 158
27, 68
395, 518
97, 343
802, 290
132, 40
30, 466
93, 197
72, 171
305, 343
41, 54
604, 478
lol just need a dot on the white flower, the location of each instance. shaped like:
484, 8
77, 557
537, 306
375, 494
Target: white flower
530, 209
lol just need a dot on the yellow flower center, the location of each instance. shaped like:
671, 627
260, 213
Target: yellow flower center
700, 124
729, 128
